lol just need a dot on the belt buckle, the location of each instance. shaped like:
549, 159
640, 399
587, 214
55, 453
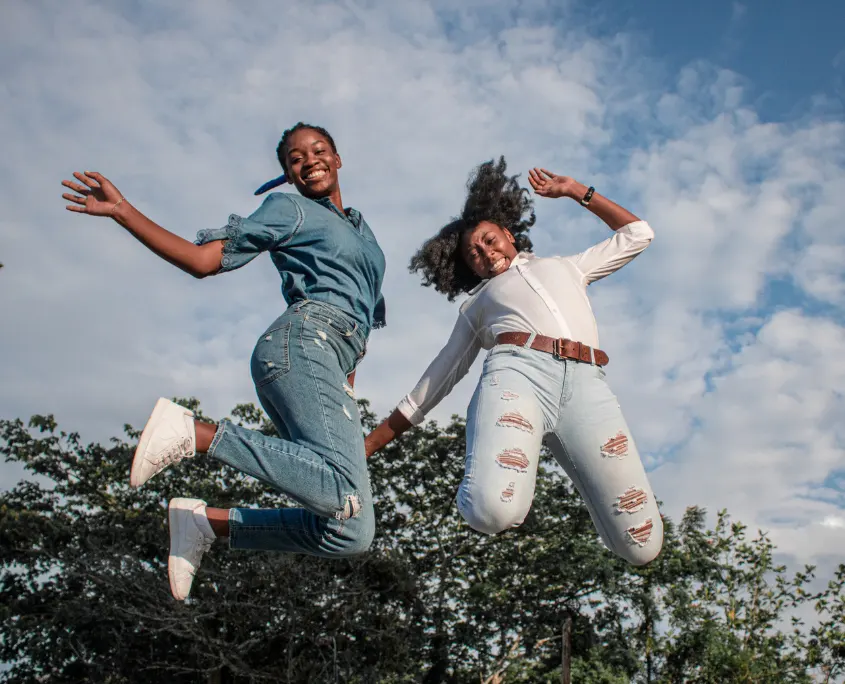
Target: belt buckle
556, 349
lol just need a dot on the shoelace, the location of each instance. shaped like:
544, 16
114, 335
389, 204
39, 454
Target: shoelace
199, 549
175, 453
202, 546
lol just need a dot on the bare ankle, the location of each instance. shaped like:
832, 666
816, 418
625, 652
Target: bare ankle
218, 518
205, 435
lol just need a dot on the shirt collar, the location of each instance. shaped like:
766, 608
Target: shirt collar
521, 258
350, 214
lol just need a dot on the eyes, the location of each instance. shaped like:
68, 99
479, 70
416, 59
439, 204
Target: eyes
474, 253
297, 158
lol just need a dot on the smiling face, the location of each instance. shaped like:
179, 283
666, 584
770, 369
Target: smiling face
311, 163
488, 250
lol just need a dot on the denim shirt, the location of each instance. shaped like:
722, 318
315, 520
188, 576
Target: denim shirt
320, 253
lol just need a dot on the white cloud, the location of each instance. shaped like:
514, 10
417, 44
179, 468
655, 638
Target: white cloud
769, 434
833, 521
182, 106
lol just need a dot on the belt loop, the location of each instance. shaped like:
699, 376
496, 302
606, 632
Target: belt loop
592, 356
529, 341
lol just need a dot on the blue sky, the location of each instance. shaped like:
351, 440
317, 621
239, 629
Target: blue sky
789, 52
721, 124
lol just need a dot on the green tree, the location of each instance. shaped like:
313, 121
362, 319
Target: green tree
735, 619
85, 594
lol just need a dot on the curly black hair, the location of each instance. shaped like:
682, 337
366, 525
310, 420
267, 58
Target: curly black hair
281, 149
492, 196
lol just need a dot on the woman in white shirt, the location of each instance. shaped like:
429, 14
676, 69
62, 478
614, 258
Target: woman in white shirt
543, 376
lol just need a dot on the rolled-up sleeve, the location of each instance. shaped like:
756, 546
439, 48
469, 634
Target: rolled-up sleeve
270, 226
450, 365
606, 257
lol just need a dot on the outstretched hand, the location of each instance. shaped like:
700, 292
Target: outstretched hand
95, 194
548, 184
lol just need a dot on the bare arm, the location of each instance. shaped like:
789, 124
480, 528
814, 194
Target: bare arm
548, 184
386, 432
450, 365
97, 196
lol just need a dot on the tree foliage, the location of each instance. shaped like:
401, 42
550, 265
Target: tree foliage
85, 595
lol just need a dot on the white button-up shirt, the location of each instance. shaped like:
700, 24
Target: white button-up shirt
547, 296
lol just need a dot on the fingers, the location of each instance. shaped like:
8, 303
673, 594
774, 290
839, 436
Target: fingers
85, 179
549, 174
73, 198
538, 182
76, 187
100, 178
75, 207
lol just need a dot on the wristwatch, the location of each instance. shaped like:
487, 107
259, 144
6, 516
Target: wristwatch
585, 200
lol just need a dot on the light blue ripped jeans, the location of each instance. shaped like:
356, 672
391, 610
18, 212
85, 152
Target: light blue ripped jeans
525, 397
300, 367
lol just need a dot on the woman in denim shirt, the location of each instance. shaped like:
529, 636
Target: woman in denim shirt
332, 270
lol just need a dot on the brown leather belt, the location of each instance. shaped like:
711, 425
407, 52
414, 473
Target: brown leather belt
560, 348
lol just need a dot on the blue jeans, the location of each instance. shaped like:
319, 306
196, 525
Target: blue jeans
525, 397
300, 366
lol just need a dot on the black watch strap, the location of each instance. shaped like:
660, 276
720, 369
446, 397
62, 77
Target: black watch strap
585, 200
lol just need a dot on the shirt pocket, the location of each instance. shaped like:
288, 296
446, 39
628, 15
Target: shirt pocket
271, 356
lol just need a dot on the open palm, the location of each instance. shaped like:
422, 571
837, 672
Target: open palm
548, 184
95, 194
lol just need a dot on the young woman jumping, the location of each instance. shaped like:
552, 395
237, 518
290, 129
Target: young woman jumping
332, 270
543, 377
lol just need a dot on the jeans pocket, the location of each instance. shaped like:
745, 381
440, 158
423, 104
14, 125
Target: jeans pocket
271, 356
500, 357
336, 322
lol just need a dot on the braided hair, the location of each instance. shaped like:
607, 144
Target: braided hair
281, 149
492, 196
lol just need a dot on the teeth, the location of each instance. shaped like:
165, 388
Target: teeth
314, 175
495, 267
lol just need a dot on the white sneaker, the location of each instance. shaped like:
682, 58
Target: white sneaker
168, 437
190, 537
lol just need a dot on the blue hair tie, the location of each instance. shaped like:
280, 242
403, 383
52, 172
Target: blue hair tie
269, 185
